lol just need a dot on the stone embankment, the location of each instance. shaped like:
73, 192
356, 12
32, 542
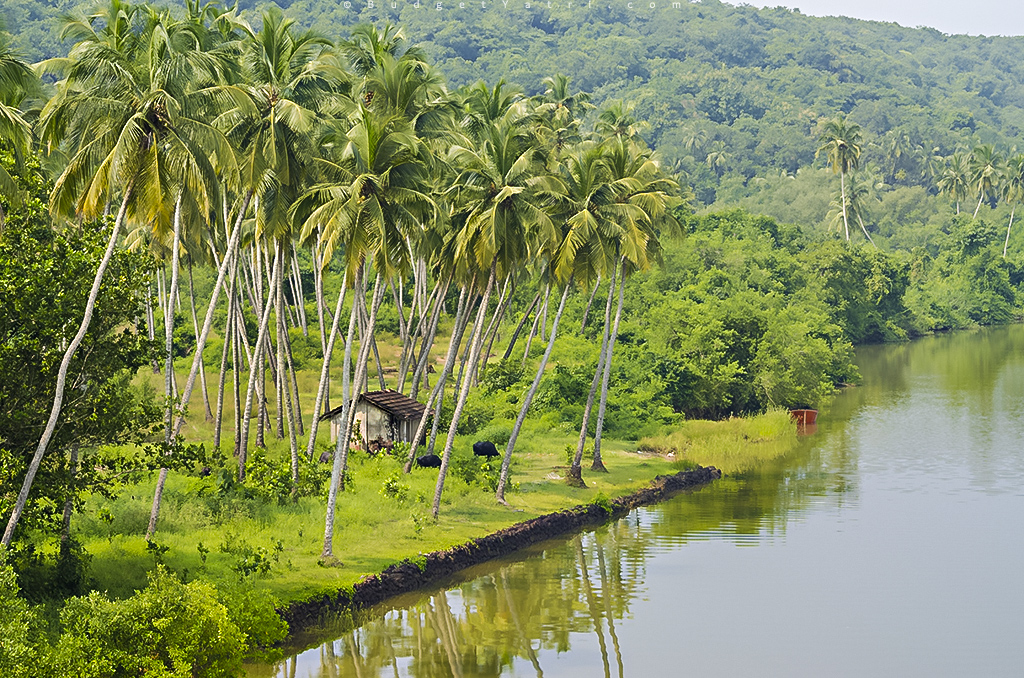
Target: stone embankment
408, 576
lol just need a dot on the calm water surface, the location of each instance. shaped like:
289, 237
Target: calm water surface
889, 543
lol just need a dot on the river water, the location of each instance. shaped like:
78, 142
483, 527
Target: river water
888, 543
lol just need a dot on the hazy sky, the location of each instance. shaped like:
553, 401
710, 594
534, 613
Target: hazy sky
975, 17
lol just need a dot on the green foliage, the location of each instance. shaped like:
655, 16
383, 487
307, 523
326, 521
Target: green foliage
254, 612
602, 502
45, 278
19, 653
167, 629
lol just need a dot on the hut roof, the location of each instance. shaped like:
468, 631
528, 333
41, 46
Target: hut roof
392, 402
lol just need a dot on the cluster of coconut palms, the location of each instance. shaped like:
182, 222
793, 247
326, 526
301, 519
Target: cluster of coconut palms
213, 143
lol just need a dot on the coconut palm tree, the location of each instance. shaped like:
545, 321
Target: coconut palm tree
1013, 190
131, 128
986, 170
372, 201
645, 187
17, 82
954, 179
840, 142
501, 196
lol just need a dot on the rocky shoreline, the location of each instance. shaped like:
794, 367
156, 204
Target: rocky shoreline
408, 576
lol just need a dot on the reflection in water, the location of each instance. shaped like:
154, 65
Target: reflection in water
884, 546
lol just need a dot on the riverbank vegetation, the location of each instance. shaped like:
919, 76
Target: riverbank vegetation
212, 229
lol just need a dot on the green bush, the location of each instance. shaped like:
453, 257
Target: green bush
168, 629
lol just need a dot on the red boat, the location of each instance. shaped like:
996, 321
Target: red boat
804, 417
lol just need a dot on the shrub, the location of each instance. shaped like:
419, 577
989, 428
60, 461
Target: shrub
167, 629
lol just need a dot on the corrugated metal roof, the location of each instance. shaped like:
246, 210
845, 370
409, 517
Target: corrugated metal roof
392, 402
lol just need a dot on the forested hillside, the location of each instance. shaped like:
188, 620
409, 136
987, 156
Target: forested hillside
709, 77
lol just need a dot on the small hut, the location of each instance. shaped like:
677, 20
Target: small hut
388, 416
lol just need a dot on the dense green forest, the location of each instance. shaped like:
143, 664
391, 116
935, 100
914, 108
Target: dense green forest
263, 220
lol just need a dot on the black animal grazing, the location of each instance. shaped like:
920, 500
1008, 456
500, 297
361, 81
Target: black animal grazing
485, 449
429, 461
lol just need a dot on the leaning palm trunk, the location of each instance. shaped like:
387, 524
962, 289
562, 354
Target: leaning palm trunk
1008, 227
460, 403
198, 356
168, 366
866, 234
428, 342
492, 329
332, 490
361, 368
325, 370
229, 256
590, 302
519, 327
533, 333
981, 198
503, 479
195, 331
348, 412
598, 464
62, 372
438, 392
575, 475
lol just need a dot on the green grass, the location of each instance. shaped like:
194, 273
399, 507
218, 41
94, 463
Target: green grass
373, 529
279, 545
732, 445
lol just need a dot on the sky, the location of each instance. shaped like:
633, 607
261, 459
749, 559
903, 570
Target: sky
974, 17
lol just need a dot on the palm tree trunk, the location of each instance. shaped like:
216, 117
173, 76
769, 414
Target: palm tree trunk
519, 327
348, 411
438, 391
325, 370
474, 355
151, 322
361, 370
423, 361
544, 313
261, 341
528, 399
864, 228
590, 302
283, 394
229, 336
195, 331
492, 328
208, 321
168, 366
842, 187
981, 197
575, 475
529, 337
1008, 227
62, 372
598, 464
340, 443
236, 381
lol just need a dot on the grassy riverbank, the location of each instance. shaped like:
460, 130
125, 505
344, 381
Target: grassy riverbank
214, 530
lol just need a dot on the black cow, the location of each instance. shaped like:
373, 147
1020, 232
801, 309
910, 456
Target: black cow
485, 449
429, 461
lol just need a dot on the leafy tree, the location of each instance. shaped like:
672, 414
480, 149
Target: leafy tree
44, 278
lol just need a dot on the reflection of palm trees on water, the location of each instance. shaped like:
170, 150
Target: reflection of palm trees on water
499, 624
518, 617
